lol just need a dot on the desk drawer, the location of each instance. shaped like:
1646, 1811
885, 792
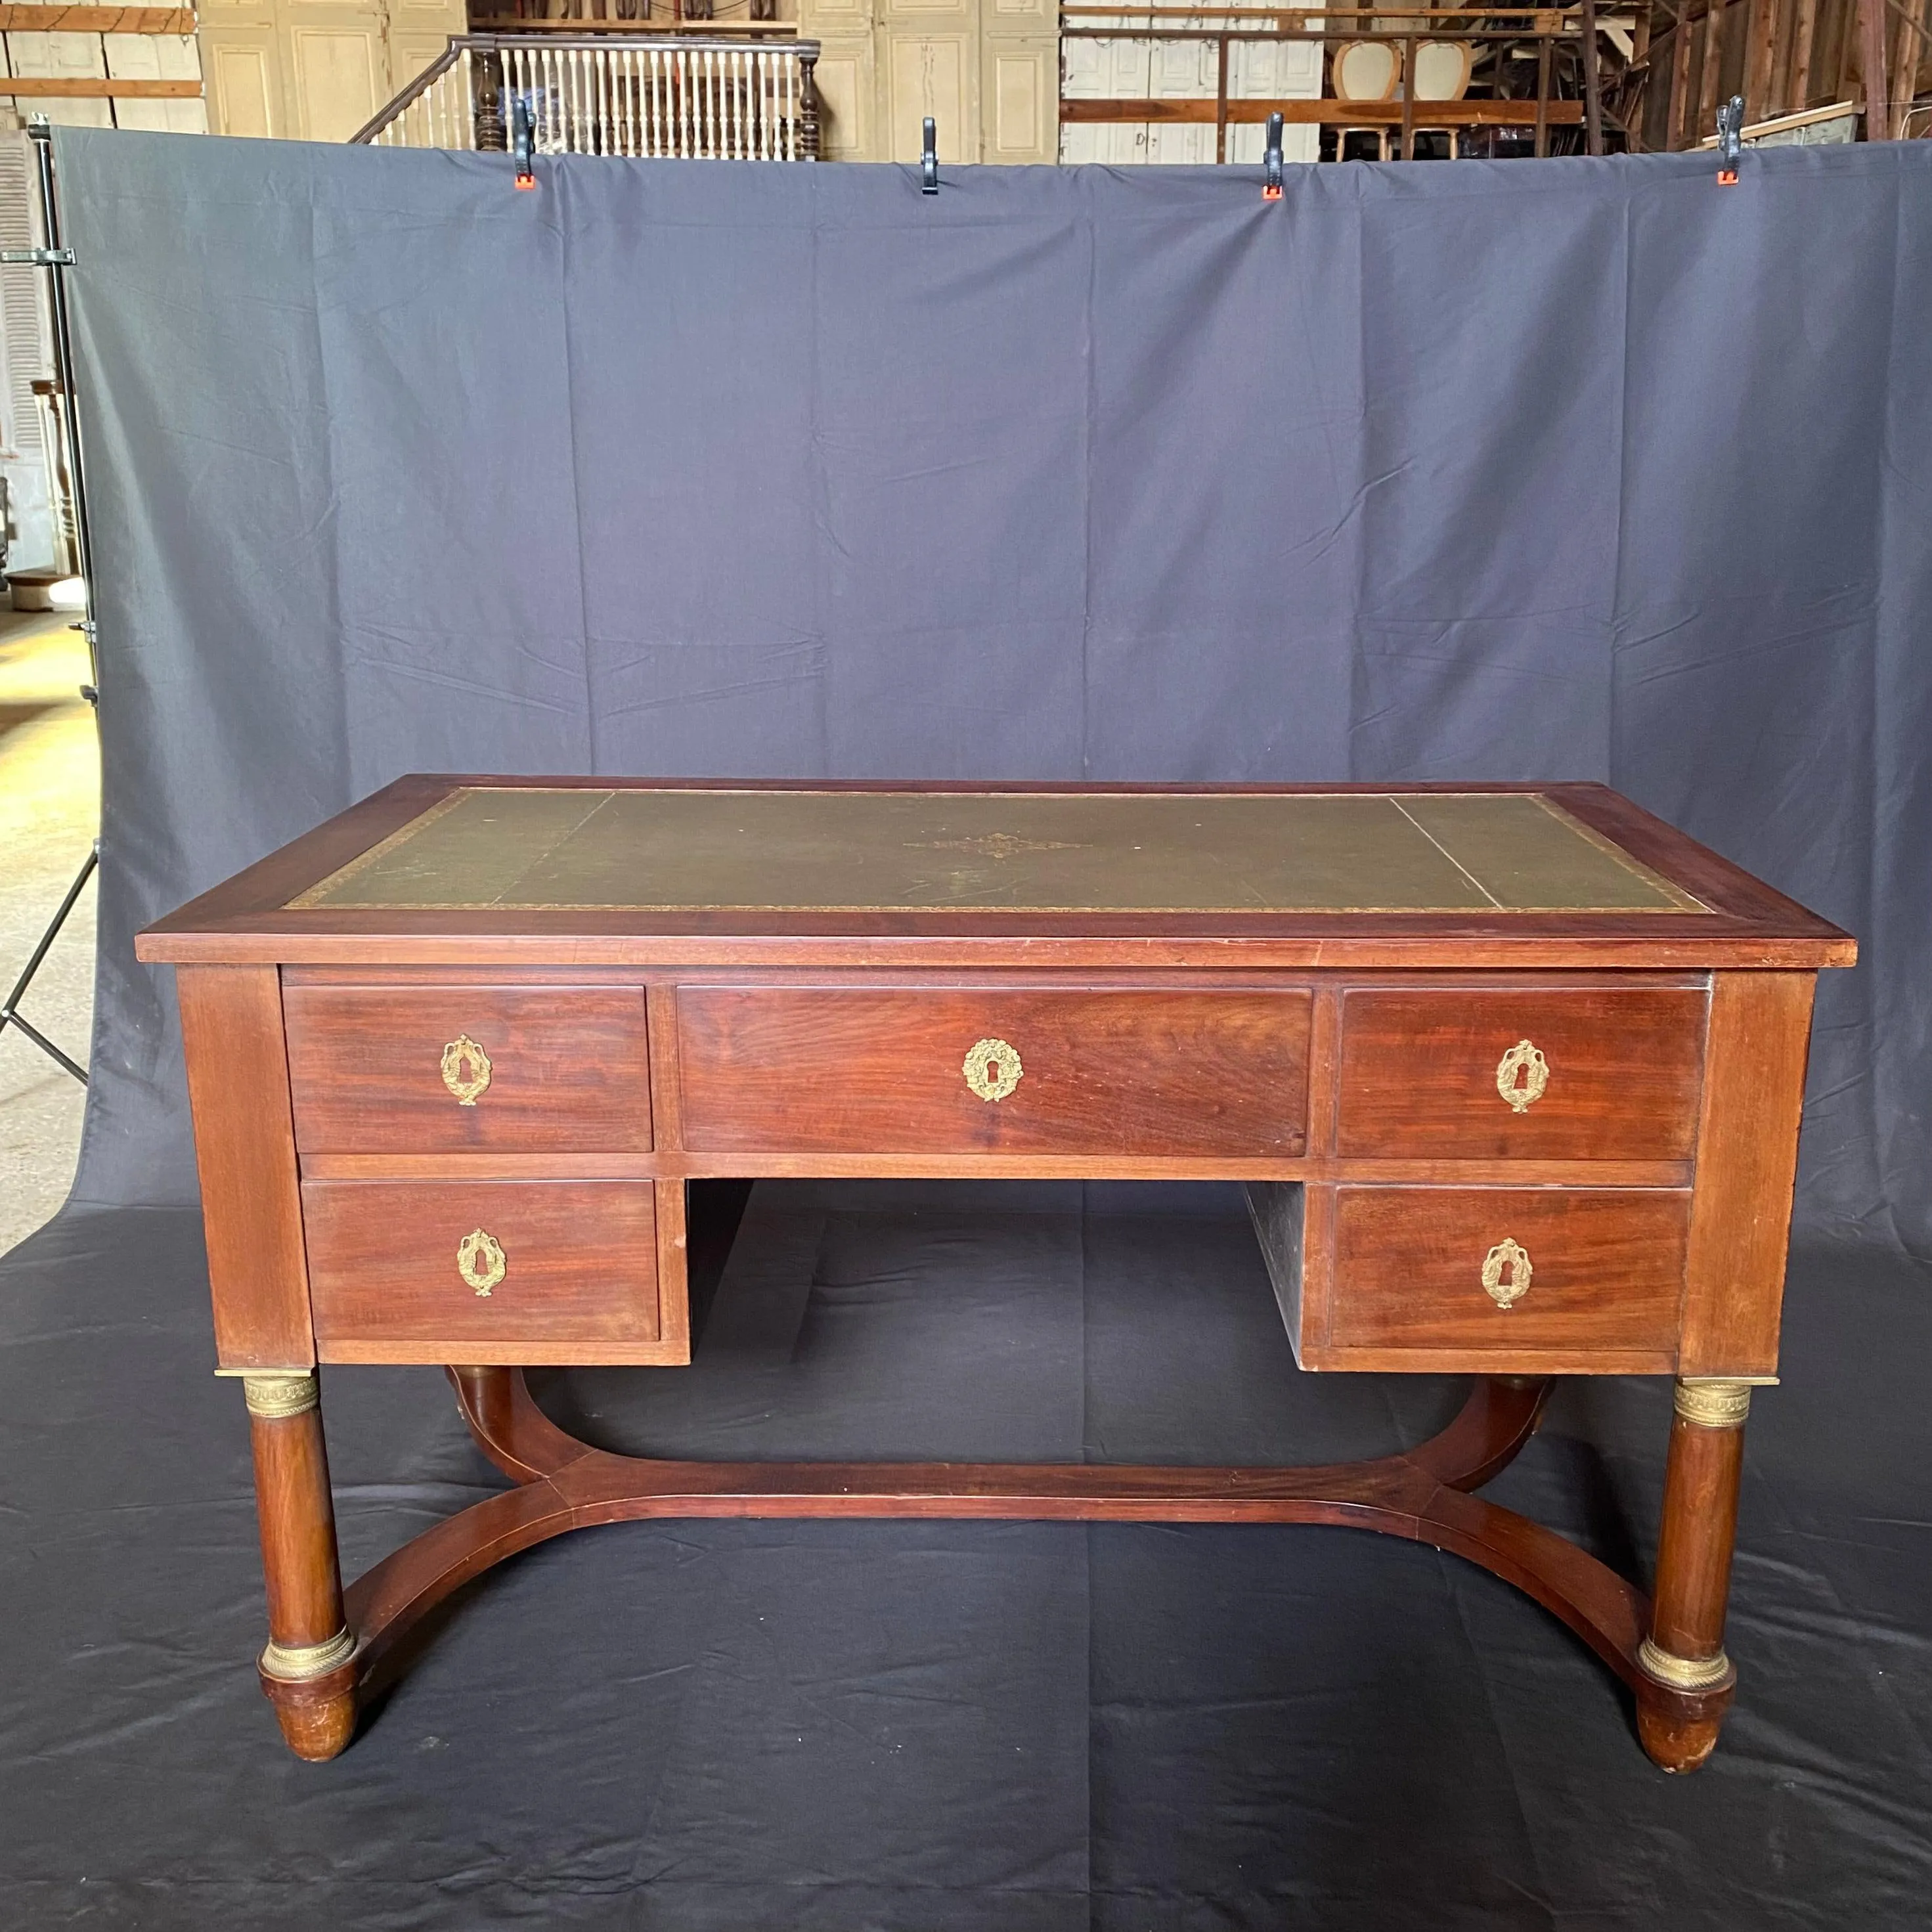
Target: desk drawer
451, 1067
1609, 1074
481, 1271
1508, 1278
994, 1070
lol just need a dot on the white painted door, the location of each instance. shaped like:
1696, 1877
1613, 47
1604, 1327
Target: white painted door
419, 30
1275, 70
1019, 93
241, 62
987, 71
929, 64
338, 67
846, 77
1019, 85
316, 69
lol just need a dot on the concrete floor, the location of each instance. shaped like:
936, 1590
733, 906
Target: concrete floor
49, 811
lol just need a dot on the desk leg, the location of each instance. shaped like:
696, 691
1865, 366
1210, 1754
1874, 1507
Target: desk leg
307, 1670
1687, 1680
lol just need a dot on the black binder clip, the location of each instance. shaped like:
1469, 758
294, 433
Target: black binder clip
1271, 161
523, 143
929, 157
1730, 139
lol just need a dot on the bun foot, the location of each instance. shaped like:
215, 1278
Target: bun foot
315, 1728
317, 1714
1673, 1742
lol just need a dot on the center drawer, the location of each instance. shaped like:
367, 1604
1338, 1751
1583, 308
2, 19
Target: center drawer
445, 1066
994, 1070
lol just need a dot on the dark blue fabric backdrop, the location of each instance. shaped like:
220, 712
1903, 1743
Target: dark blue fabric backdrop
1584, 470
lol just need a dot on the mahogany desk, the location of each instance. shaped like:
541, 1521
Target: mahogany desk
1513, 1076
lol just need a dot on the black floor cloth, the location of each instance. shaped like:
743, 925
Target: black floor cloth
931, 1726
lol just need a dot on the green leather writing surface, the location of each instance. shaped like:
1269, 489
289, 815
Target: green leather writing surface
641, 849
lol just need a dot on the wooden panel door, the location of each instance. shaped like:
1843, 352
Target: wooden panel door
337, 69
987, 71
1181, 70
1106, 70
1020, 83
315, 70
1273, 71
241, 62
419, 30
846, 77
835, 19
1021, 20
931, 72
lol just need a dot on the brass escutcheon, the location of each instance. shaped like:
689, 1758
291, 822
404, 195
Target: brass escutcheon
1506, 1272
992, 1069
1522, 1074
465, 1069
479, 1260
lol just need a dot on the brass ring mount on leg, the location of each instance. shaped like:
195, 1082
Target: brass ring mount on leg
1714, 1404
1684, 1673
275, 1398
296, 1662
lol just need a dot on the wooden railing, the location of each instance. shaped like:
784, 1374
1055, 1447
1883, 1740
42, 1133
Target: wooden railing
715, 98
1552, 32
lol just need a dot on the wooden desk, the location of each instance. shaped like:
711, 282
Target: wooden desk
1513, 1076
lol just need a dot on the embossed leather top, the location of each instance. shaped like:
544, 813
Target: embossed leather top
1565, 868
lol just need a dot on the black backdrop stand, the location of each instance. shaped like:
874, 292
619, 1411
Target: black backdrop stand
56, 260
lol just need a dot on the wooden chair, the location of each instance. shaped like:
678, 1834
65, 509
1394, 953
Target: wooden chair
1442, 73
1366, 70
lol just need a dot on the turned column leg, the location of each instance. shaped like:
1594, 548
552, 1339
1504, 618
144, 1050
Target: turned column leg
1688, 1679
307, 1669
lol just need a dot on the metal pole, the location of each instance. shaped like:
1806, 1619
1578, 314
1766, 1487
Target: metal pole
55, 259
41, 134
10, 1014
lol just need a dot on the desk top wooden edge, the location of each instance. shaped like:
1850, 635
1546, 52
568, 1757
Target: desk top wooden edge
1741, 922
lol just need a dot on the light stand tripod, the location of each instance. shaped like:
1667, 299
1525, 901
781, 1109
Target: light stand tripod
56, 260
